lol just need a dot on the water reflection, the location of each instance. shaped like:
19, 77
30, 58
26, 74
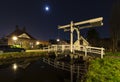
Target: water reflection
14, 66
30, 70
7, 62
17, 63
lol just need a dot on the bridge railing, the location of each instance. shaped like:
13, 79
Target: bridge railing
85, 49
60, 47
89, 49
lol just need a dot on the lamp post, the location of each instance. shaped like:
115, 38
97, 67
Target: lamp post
58, 42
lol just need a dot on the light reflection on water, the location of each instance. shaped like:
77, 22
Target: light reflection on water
30, 70
14, 66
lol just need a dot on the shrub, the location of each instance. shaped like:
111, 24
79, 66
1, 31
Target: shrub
112, 54
104, 70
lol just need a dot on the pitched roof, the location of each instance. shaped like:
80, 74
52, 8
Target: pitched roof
18, 32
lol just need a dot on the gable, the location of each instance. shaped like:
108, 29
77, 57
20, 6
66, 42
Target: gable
24, 35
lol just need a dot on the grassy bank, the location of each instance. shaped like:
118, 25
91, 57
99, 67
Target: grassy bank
10, 57
105, 70
20, 55
112, 54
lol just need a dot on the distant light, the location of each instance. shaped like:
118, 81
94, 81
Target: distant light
37, 43
15, 66
58, 40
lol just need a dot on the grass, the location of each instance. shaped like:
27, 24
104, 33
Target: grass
104, 70
112, 54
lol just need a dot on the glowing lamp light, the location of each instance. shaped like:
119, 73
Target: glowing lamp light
58, 40
14, 38
37, 43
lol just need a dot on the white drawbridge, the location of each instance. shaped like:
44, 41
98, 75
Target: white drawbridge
80, 44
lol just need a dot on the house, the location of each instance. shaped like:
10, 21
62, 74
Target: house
20, 37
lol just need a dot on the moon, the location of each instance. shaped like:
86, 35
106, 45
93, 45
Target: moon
47, 8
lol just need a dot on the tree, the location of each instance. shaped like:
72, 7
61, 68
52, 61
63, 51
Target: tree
93, 37
52, 41
115, 25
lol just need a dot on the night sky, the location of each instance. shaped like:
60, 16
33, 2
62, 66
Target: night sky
43, 24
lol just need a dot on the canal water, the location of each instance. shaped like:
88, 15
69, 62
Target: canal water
31, 71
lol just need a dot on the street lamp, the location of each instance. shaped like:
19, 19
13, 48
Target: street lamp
58, 39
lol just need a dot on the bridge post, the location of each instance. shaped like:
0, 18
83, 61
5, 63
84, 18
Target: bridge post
71, 70
78, 72
102, 52
63, 65
71, 36
49, 61
63, 48
85, 50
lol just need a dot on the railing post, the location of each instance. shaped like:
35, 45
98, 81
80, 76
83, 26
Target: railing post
55, 63
78, 72
63, 48
48, 61
102, 52
43, 59
48, 49
71, 73
63, 65
56, 47
85, 50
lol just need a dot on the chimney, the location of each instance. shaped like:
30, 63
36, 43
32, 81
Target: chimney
17, 28
24, 29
